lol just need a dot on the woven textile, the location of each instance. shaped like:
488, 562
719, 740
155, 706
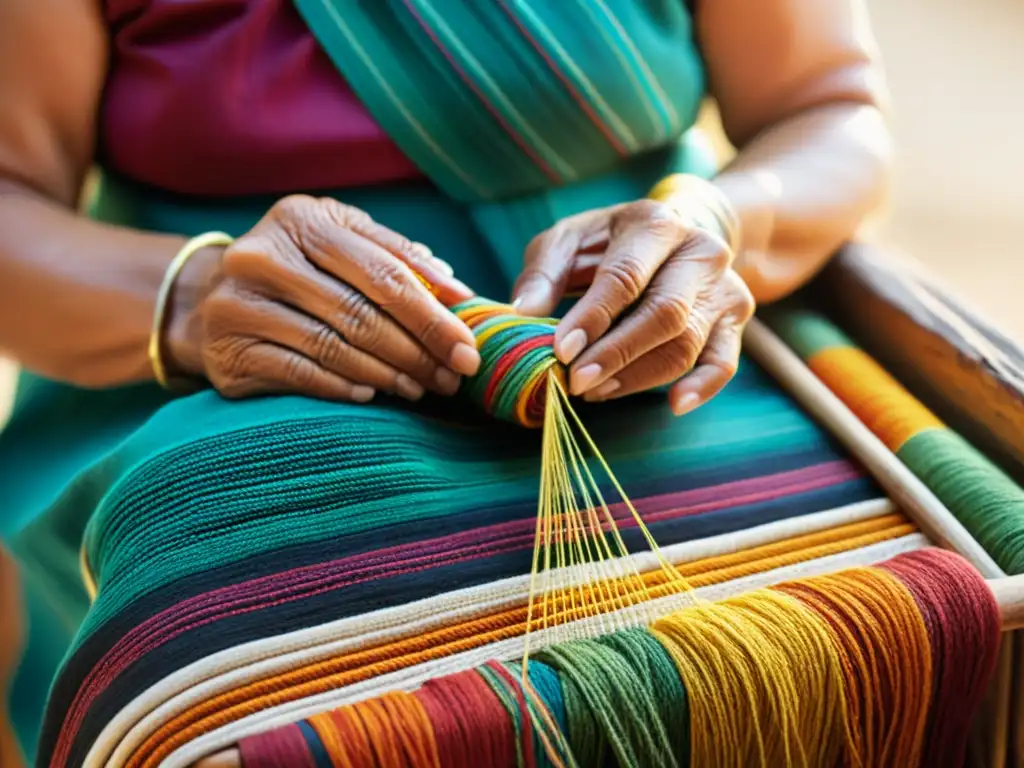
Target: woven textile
291, 515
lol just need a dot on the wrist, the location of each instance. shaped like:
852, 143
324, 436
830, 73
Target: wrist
183, 330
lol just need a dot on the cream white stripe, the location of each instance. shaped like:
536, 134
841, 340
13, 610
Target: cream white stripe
386, 87
262, 658
506, 650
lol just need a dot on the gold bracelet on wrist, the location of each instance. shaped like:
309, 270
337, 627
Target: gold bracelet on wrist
187, 251
681, 187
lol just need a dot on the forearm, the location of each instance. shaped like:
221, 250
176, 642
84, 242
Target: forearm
77, 296
801, 189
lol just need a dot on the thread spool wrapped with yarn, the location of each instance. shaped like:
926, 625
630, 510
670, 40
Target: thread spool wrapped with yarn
516, 356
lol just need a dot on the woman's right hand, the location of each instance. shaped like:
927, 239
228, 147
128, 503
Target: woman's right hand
319, 300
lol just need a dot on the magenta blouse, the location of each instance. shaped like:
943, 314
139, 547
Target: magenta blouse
231, 97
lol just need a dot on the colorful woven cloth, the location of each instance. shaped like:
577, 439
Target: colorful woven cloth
799, 674
262, 519
263, 561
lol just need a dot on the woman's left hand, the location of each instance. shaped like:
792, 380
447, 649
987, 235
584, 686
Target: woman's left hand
665, 304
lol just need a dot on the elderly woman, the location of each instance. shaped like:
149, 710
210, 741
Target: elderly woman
349, 149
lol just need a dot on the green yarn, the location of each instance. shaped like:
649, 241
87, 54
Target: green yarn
652, 663
624, 706
977, 492
587, 742
988, 502
805, 331
508, 702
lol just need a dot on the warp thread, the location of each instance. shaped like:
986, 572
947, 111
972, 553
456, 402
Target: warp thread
876, 667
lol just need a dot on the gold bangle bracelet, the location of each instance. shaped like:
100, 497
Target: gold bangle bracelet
187, 251
682, 185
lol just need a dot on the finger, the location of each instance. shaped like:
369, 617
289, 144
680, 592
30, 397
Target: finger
417, 256
663, 313
357, 321
266, 368
391, 285
548, 260
643, 236
715, 368
317, 341
584, 267
661, 366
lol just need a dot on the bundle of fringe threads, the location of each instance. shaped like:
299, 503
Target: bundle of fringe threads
873, 666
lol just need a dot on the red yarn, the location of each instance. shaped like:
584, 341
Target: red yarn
280, 748
963, 623
471, 726
526, 736
508, 360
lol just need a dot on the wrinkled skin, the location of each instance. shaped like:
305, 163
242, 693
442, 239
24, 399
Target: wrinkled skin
319, 299
677, 305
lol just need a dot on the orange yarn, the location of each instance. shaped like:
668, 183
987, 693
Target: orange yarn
890, 713
876, 397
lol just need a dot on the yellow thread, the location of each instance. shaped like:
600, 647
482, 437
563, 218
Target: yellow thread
88, 580
763, 681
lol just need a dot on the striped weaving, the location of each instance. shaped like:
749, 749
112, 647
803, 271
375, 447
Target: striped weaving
546, 94
258, 562
301, 515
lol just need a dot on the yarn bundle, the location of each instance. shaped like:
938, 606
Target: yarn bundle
872, 666
516, 356
988, 502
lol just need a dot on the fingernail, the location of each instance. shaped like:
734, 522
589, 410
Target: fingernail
601, 392
532, 298
408, 388
685, 404
363, 394
465, 359
447, 380
571, 345
584, 377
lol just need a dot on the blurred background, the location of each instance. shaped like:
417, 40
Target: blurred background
956, 71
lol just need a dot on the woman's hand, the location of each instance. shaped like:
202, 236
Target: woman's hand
664, 306
320, 300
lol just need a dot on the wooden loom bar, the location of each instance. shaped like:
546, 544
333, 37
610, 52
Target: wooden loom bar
903, 486
1009, 592
954, 360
